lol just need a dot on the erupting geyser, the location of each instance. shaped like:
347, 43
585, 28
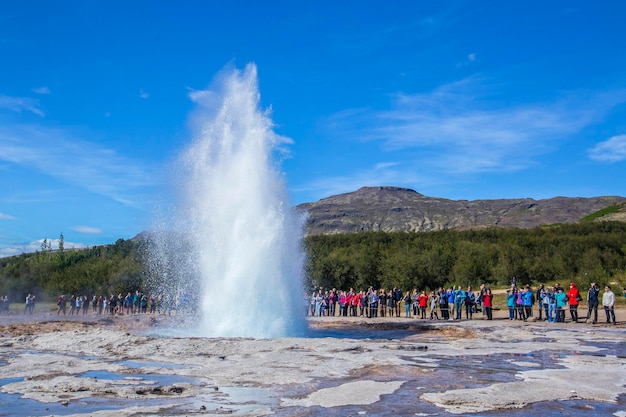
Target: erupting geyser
241, 234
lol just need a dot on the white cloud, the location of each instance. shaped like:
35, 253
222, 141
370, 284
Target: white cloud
143, 94
6, 217
87, 230
611, 150
383, 165
455, 130
35, 246
456, 133
468, 61
20, 104
59, 154
41, 90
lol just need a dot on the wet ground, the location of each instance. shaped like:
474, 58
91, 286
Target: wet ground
358, 368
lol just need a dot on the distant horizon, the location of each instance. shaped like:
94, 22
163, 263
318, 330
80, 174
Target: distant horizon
462, 100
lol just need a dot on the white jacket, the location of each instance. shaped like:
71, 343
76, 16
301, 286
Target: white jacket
608, 299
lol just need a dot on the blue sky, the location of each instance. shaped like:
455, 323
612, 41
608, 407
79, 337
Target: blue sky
454, 99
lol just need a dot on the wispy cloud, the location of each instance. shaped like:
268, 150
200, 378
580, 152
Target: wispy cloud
611, 150
462, 129
20, 104
456, 131
87, 230
143, 94
6, 217
468, 60
59, 154
41, 90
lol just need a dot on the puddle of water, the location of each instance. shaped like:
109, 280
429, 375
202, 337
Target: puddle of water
6, 381
153, 379
141, 365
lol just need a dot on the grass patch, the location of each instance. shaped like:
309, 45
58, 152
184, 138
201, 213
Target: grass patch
616, 208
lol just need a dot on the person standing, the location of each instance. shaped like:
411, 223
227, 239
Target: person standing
519, 304
332, 302
574, 298
450, 295
488, 303
470, 303
29, 304
541, 292
374, 299
592, 301
479, 300
561, 302
443, 304
415, 295
459, 299
398, 297
510, 303
528, 299
62, 305
608, 302
423, 302
550, 302
407, 305
433, 300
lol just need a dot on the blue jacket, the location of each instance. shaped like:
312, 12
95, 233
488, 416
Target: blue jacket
510, 299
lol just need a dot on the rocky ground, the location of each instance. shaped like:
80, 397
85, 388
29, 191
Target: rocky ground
144, 365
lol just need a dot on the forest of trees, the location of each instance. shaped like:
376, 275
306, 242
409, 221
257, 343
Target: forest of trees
102, 270
583, 252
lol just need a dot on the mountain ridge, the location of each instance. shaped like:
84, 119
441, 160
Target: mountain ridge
396, 209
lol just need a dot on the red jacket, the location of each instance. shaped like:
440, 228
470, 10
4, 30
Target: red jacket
423, 300
572, 295
487, 300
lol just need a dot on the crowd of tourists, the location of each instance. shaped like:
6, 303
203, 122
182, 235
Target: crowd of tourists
451, 304
131, 303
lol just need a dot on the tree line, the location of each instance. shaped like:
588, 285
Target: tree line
100, 270
581, 252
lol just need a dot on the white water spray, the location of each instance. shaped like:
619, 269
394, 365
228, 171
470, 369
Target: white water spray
245, 239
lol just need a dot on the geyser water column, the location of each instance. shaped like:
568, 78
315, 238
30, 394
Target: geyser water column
244, 234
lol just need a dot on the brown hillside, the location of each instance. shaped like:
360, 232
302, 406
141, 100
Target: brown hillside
392, 209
